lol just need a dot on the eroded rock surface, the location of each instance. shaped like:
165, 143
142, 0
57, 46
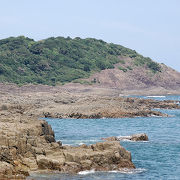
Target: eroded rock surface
20, 142
100, 157
78, 102
28, 144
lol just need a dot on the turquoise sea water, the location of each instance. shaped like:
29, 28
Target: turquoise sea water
157, 159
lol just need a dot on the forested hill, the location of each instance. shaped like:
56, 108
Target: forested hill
60, 60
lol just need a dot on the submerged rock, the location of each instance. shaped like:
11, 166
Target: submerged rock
135, 137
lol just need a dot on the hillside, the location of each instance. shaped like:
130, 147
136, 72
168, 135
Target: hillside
59, 60
138, 77
56, 61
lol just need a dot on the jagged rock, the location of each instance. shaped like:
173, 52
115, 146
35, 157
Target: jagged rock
30, 145
105, 156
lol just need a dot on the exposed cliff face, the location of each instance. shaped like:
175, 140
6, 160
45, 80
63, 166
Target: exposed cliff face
128, 76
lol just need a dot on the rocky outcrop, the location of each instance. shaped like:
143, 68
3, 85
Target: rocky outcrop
85, 103
20, 142
28, 144
106, 107
104, 156
139, 137
135, 137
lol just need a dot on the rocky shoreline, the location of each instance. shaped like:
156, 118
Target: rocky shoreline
107, 107
28, 144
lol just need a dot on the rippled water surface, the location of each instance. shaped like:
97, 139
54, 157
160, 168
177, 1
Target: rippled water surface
157, 159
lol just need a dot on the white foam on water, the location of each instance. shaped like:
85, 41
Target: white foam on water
132, 171
127, 140
81, 144
152, 115
129, 171
122, 171
123, 137
69, 142
103, 118
86, 172
155, 96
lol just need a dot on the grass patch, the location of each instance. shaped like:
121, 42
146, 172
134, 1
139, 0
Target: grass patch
122, 61
130, 68
122, 69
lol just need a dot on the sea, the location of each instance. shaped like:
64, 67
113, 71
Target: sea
159, 158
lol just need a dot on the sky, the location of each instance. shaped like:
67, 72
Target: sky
151, 27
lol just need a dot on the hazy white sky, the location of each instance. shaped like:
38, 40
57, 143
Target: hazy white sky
151, 27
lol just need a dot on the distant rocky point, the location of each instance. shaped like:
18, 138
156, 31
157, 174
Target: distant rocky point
134, 137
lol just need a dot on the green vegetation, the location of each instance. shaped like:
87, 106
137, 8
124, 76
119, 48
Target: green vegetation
122, 69
82, 82
130, 68
59, 60
145, 61
122, 61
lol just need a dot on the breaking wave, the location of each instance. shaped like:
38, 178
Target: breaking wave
155, 96
122, 171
